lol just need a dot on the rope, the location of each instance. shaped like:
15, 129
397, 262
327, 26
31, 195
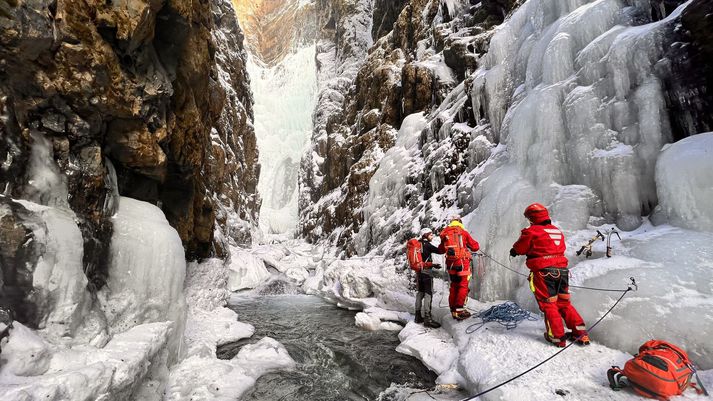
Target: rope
624, 292
633, 281
508, 314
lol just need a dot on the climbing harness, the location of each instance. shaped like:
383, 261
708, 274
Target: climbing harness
508, 314
611, 232
587, 248
624, 292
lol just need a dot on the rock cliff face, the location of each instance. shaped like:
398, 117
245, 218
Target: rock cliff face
274, 28
419, 56
147, 99
435, 57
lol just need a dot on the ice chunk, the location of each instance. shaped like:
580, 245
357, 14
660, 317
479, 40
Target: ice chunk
246, 270
26, 353
684, 182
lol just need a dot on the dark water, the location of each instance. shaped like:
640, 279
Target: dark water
335, 359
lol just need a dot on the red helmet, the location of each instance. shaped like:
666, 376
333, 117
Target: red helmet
537, 213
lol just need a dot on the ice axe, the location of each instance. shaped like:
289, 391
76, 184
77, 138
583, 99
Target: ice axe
609, 234
588, 246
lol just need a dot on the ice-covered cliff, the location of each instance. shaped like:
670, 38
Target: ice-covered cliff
137, 85
127, 146
569, 104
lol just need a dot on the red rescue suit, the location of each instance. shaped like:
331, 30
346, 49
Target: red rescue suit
456, 243
544, 246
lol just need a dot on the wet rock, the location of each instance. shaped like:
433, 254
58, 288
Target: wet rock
18, 256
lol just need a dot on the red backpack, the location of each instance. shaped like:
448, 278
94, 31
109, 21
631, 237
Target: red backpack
414, 254
454, 243
660, 370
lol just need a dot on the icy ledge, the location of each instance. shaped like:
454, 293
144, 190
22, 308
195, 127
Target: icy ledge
201, 375
492, 355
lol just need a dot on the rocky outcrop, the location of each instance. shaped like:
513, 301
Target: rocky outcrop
273, 29
689, 96
410, 69
156, 90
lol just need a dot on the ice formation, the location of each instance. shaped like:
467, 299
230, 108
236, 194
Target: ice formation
147, 271
283, 97
684, 180
572, 90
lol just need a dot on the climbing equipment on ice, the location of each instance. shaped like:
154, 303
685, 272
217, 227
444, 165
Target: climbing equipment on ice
588, 246
611, 232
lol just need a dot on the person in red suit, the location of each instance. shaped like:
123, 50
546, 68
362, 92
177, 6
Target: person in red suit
457, 245
544, 246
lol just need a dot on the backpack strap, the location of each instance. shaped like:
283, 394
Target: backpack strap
698, 382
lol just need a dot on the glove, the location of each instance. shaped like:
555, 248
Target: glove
512, 252
436, 266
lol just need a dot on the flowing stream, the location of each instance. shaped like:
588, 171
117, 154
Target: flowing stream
335, 359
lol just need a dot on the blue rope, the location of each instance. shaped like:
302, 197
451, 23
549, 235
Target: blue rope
508, 314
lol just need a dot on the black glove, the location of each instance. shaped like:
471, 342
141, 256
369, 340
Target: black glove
512, 252
436, 266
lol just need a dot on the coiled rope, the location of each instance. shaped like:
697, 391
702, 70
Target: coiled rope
508, 314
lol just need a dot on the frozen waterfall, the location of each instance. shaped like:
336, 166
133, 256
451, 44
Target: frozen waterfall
284, 99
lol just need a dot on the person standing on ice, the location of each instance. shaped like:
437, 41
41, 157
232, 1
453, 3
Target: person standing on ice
544, 246
457, 244
424, 280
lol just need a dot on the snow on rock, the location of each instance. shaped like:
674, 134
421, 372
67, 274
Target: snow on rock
212, 379
146, 273
264, 356
58, 277
435, 348
685, 183
209, 323
246, 270
492, 355
128, 367
26, 353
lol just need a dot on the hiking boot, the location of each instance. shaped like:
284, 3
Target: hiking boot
430, 323
461, 314
583, 340
419, 318
555, 341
